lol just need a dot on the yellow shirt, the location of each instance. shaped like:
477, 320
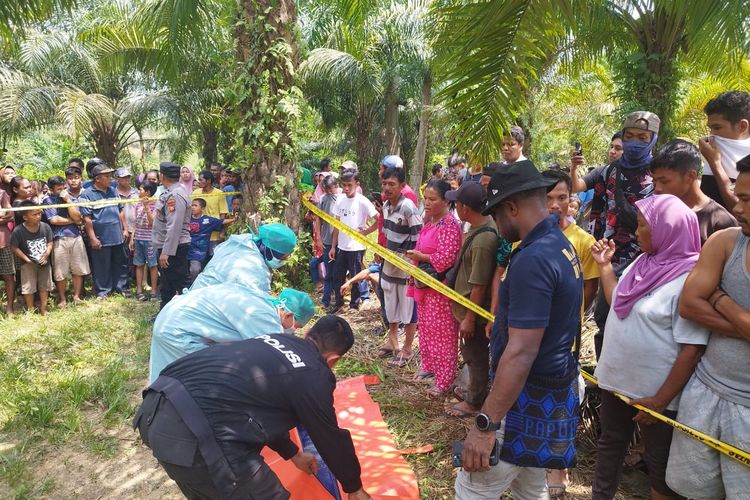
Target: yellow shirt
582, 242
216, 204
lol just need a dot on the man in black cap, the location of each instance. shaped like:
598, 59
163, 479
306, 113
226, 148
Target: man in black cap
209, 414
535, 372
106, 230
474, 270
171, 232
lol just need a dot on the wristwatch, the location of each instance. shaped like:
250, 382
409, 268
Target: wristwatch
484, 423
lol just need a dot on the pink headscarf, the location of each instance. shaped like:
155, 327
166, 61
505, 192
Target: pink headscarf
188, 184
676, 242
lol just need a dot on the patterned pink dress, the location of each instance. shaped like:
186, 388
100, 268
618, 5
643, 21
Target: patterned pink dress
438, 329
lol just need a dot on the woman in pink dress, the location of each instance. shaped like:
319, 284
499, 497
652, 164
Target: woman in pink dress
439, 244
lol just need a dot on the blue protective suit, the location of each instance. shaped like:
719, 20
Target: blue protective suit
238, 261
208, 315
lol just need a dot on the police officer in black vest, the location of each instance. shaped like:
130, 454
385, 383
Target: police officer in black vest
209, 414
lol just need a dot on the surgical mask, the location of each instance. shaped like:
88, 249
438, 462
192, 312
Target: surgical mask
637, 154
271, 257
274, 263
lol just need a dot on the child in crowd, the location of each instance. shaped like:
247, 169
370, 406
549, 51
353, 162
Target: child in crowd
236, 205
201, 227
354, 210
31, 241
327, 202
140, 245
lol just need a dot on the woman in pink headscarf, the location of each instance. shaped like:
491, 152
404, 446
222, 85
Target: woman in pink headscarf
186, 178
649, 350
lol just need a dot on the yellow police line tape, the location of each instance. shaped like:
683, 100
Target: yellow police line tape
741, 456
108, 201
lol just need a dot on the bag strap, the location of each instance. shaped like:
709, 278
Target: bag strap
468, 242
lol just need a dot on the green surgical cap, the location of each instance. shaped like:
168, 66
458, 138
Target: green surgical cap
298, 303
277, 237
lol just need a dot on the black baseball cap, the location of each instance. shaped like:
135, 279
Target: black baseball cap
100, 169
514, 178
472, 194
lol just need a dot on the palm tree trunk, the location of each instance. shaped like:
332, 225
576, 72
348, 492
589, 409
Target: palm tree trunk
209, 144
267, 56
391, 120
105, 143
363, 137
417, 170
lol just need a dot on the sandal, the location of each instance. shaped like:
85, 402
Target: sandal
423, 376
435, 393
141, 297
401, 360
385, 352
459, 393
453, 410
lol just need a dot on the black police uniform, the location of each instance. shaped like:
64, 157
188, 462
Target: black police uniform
209, 414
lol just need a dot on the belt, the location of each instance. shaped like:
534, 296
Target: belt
222, 475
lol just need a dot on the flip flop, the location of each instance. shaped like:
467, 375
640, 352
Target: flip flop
401, 360
423, 376
458, 412
385, 352
458, 393
435, 393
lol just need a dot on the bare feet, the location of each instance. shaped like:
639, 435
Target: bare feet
462, 409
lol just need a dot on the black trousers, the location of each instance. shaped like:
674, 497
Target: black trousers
176, 448
107, 267
617, 430
351, 262
476, 354
174, 278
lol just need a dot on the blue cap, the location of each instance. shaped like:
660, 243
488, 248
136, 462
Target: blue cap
392, 161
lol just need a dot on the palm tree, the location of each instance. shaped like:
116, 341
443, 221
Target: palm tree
368, 60
60, 78
15, 14
493, 51
261, 98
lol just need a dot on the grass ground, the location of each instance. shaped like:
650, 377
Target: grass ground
70, 383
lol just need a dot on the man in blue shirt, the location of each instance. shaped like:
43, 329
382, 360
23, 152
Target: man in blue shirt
69, 251
536, 324
105, 226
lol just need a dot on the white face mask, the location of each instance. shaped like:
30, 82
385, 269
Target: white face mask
274, 263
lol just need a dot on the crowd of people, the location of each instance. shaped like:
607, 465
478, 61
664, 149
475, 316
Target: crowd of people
654, 241
50, 239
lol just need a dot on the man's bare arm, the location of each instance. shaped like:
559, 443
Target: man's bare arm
703, 281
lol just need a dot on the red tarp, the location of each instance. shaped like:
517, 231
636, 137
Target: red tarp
385, 473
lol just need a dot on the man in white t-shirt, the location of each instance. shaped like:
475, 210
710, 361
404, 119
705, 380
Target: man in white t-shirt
728, 118
356, 211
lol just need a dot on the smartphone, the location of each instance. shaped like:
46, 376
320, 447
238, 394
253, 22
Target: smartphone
458, 449
579, 149
376, 197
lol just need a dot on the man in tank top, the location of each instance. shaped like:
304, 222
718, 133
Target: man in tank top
716, 401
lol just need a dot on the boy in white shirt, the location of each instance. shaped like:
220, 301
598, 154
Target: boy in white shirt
356, 211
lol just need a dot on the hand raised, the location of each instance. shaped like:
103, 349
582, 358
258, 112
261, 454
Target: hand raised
602, 251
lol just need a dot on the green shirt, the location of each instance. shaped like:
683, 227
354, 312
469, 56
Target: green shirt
477, 267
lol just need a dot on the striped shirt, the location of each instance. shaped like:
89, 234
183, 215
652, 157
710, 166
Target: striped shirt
142, 226
401, 226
